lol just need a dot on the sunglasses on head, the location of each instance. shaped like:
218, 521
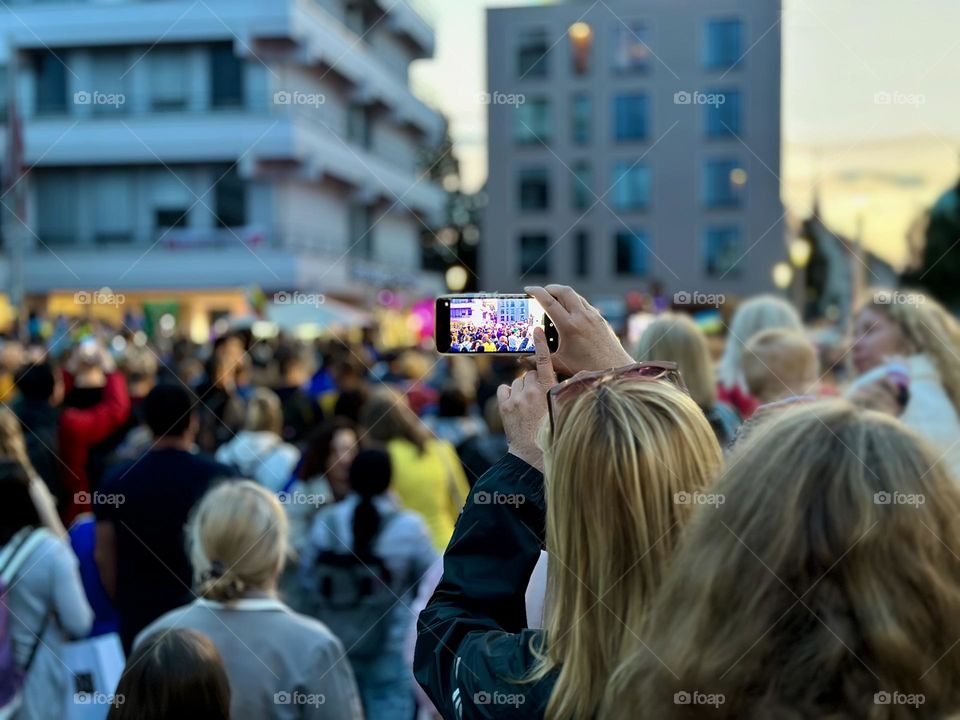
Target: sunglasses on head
560, 395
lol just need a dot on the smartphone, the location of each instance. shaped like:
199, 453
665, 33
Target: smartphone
491, 323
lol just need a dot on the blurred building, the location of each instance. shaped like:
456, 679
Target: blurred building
179, 146
633, 144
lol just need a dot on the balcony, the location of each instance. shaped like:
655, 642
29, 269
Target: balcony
405, 19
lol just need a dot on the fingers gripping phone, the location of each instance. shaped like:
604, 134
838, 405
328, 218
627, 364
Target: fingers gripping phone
491, 323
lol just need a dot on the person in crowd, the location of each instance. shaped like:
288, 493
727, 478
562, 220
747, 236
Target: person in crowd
676, 338
273, 656
604, 471
11, 360
141, 509
173, 674
919, 336
258, 451
455, 419
371, 543
780, 364
300, 411
349, 378
40, 389
222, 409
763, 312
818, 592
43, 604
96, 405
324, 475
427, 474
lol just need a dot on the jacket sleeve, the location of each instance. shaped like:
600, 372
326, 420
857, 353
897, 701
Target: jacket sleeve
96, 424
471, 635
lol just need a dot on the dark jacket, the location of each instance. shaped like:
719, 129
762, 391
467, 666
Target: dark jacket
39, 420
472, 640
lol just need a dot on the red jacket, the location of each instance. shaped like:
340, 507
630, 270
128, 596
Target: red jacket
81, 429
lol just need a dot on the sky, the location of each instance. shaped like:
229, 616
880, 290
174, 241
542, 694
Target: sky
886, 162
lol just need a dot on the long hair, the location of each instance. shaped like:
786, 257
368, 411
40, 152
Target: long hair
387, 416
622, 458
762, 312
369, 478
929, 329
13, 447
677, 338
827, 576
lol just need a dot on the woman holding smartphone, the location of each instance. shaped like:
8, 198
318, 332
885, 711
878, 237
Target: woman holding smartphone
601, 472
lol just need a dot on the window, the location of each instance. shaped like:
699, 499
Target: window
168, 80
113, 207
533, 122
722, 250
581, 118
581, 185
534, 249
226, 77
631, 252
51, 76
230, 198
534, 189
107, 91
58, 205
630, 183
719, 186
166, 218
532, 50
630, 49
582, 253
359, 125
630, 117
581, 47
361, 231
723, 44
722, 117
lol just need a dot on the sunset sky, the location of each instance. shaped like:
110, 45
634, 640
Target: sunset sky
887, 161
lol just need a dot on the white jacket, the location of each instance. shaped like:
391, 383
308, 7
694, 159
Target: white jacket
260, 456
930, 413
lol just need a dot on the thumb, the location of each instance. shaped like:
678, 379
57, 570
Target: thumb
546, 376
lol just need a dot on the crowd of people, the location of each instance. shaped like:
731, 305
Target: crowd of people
491, 334
766, 528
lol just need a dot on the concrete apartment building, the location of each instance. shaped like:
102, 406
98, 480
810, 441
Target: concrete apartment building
634, 144
183, 147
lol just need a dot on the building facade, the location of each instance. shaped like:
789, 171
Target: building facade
634, 146
182, 146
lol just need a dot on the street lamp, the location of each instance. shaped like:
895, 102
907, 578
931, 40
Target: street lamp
782, 275
456, 278
800, 251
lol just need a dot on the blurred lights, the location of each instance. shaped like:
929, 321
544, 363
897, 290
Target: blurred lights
800, 251
782, 275
167, 323
119, 344
580, 32
456, 278
738, 176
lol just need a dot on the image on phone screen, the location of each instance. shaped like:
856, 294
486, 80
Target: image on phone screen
490, 324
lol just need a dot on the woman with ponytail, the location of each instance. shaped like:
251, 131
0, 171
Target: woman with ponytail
279, 663
361, 568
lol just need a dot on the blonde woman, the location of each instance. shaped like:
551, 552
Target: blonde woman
831, 590
258, 451
764, 312
923, 340
677, 338
280, 664
625, 454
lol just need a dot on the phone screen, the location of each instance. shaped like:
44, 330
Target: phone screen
490, 324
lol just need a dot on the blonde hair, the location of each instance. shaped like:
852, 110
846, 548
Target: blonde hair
12, 444
622, 455
264, 412
824, 577
677, 338
929, 329
779, 363
759, 313
238, 540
